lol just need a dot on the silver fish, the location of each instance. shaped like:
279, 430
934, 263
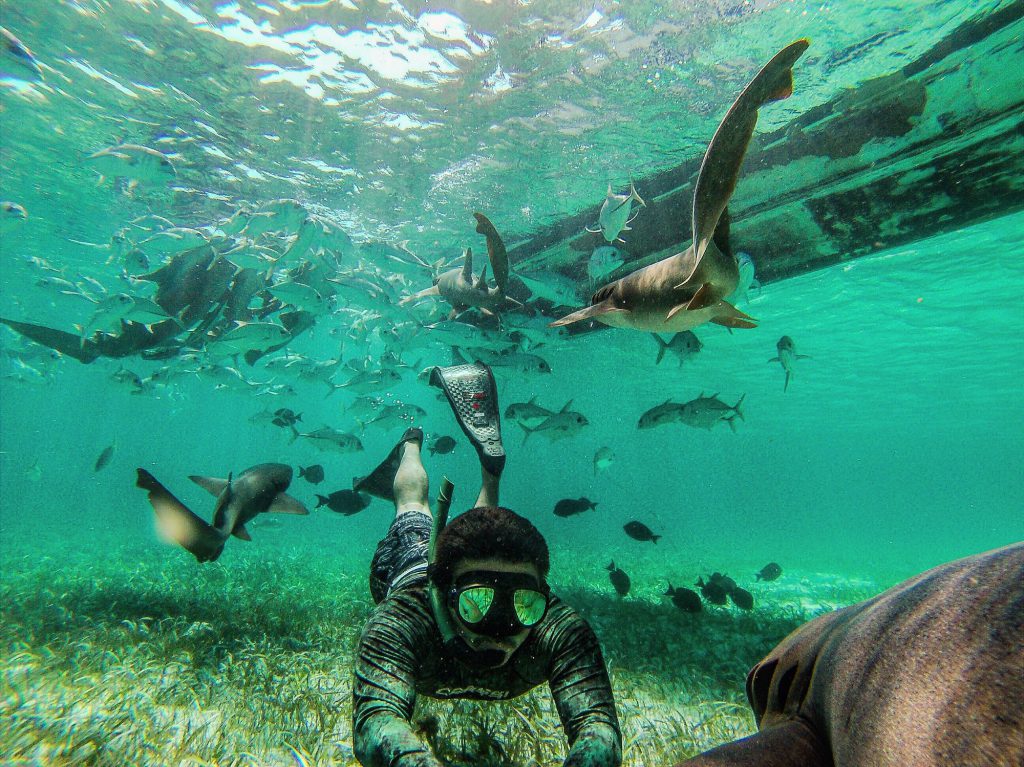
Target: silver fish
787, 358
247, 336
684, 345
131, 161
603, 458
700, 413
564, 423
12, 215
327, 438
395, 415
603, 261
528, 413
298, 295
368, 381
553, 287
614, 217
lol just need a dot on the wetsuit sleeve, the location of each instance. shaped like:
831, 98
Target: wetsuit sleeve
583, 693
384, 691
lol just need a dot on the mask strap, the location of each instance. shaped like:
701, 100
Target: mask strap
441, 616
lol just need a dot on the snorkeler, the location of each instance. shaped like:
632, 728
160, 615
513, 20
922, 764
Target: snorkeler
464, 609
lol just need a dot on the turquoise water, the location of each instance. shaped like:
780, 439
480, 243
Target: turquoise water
896, 447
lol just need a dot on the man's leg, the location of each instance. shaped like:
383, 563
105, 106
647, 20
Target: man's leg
401, 556
488, 495
411, 484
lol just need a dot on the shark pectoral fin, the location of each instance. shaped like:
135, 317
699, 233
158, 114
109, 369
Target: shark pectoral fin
594, 231
731, 317
241, 532
702, 299
176, 523
586, 313
212, 485
675, 310
792, 744
285, 504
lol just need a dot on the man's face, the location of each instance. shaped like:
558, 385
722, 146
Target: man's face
507, 644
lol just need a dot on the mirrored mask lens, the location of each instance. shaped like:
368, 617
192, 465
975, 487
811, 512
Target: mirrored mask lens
529, 606
474, 603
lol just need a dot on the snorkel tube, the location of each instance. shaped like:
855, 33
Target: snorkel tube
441, 616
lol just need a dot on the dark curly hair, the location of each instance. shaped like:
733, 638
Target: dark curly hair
488, 532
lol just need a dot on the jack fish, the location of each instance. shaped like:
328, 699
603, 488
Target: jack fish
614, 215
787, 358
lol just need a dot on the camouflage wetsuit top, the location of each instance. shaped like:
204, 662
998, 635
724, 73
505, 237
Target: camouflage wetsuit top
401, 655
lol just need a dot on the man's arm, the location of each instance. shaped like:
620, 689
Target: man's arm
384, 692
582, 692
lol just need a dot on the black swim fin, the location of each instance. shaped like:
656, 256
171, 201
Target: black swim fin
380, 482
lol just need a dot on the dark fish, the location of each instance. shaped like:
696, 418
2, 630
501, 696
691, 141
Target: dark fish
619, 579
640, 532
713, 590
685, 599
442, 445
347, 502
567, 507
769, 572
313, 474
104, 457
724, 581
285, 416
705, 412
742, 598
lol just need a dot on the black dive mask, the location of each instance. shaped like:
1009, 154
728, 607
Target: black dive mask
497, 604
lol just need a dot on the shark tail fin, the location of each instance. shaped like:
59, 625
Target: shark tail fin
176, 523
